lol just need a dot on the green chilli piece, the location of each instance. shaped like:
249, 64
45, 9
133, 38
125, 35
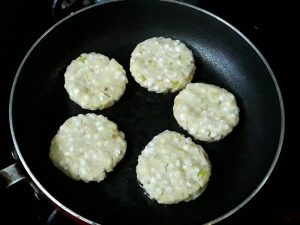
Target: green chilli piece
203, 173
82, 58
143, 78
175, 84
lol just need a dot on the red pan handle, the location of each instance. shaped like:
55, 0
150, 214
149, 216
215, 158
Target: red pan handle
10, 175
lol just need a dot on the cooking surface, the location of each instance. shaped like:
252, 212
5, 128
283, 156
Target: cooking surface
21, 24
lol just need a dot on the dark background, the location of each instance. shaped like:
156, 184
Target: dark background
271, 26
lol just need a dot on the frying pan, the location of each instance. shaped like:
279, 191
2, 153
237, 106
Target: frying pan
241, 162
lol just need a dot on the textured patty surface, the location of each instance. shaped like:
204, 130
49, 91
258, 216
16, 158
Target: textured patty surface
94, 81
173, 168
162, 65
86, 147
206, 111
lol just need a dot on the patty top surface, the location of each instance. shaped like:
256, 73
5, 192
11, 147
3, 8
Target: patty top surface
87, 146
206, 111
162, 64
94, 81
173, 168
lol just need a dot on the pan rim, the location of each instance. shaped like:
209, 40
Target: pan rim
76, 215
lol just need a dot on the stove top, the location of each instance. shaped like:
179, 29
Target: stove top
267, 26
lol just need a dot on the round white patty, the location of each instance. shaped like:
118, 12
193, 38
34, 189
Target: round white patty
94, 81
87, 146
206, 111
162, 65
173, 168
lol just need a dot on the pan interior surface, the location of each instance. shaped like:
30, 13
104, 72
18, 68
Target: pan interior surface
240, 162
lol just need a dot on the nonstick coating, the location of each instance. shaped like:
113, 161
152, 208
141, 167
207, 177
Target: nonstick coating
240, 162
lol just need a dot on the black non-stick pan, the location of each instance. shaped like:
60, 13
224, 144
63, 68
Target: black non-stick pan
241, 163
